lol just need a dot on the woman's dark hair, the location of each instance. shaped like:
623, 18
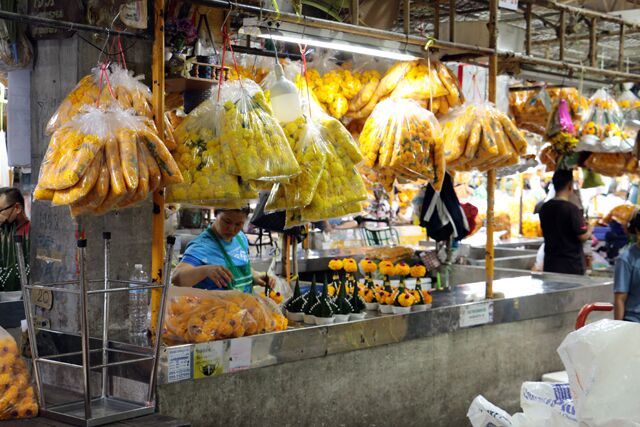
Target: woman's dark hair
13, 195
561, 179
245, 210
634, 224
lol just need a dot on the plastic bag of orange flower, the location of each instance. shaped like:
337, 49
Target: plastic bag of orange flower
17, 399
196, 315
403, 136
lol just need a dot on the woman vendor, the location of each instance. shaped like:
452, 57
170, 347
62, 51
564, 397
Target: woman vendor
219, 257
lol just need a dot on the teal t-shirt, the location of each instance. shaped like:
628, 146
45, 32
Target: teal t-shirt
627, 280
204, 250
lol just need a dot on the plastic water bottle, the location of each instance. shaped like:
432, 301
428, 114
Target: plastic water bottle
138, 304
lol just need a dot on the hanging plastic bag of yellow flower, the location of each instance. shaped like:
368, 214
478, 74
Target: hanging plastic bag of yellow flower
603, 129
400, 135
310, 149
119, 86
94, 162
254, 146
199, 157
339, 190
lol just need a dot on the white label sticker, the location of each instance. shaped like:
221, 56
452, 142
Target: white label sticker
239, 354
178, 364
476, 314
508, 4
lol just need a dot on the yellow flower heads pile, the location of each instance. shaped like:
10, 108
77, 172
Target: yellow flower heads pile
199, 157
254, 145
337, 87
310, 150
405, 138
340, 188
368, 266
209, 316
336, 264
16, 394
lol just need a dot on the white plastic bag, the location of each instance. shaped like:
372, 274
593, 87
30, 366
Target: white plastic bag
602, 360
483, 413
548, 404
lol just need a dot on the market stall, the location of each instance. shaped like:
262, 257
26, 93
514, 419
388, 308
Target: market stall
308, 141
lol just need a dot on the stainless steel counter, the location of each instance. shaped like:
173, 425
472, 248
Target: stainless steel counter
518, 298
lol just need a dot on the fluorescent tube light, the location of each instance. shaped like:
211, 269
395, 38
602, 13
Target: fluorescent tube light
340, 46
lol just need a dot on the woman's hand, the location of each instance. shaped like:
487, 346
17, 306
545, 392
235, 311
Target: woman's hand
219, 275
259, 280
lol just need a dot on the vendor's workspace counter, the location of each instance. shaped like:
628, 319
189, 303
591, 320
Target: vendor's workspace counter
428, 365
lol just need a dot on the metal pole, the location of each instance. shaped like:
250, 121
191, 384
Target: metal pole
294, 256
563, 27
157, 221
355, 12
106, 236
171, 240
491, 174
66, 25
527, 17
436, 19
84, 329
452, 20
28, 311
406, 11
593, 43
621, 48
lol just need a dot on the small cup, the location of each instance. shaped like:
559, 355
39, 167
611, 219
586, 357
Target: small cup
419, 307
385, 309
295, 317
372, 306
401, 310
357, 316
309, 319
325, 320
341, 318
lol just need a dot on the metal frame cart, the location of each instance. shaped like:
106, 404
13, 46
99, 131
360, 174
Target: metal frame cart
97, 354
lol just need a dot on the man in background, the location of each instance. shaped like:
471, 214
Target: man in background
13, 222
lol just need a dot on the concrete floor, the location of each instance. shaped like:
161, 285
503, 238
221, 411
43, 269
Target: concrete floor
426, 382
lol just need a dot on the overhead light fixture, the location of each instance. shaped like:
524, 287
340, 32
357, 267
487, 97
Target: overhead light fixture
328, 39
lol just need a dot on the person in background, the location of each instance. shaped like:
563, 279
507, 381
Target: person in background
13, 218
626, 279
563, 228
219, 257
13, 222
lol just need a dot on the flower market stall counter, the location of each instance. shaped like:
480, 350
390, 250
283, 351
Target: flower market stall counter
518, 298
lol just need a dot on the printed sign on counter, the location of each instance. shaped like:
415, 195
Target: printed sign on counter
476, 314
239, 354
178, 363
208, 359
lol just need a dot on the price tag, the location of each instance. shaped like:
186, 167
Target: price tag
508, 4
42, 298
208, 359
41, 322
476, 314
178, 364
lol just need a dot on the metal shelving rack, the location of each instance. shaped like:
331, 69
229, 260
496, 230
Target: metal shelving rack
105, 408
